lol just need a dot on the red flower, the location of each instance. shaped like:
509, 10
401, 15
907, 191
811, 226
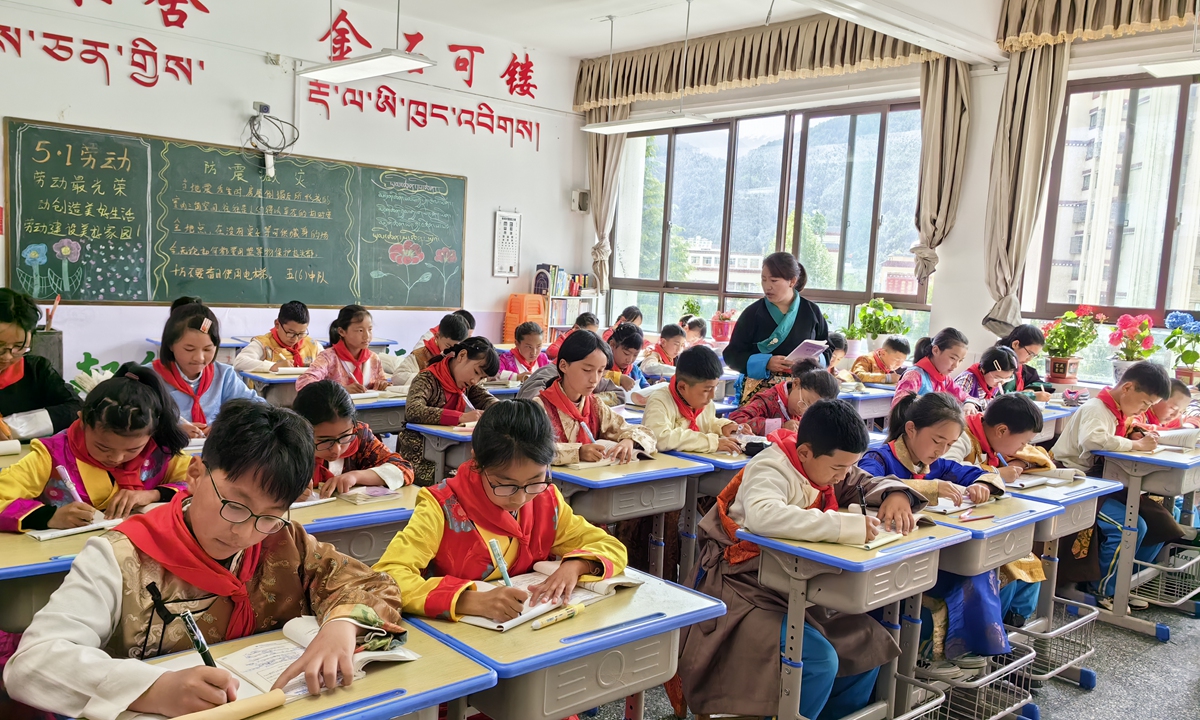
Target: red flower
406, 253
445, 255
1084, 310
1101, 317
1147, 342
1114, 338
1126, 322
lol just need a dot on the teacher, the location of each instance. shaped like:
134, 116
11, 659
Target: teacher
34, 400
771, 328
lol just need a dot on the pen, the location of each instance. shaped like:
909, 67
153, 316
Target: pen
862, 496
193, 631
498, 557
565, 613
70, 486
979, 517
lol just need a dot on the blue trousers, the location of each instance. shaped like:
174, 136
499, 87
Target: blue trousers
1021, 597
1109, 522
824, 695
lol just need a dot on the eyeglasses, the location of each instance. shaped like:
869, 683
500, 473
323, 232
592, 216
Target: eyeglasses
295, 335
237, 513
535, 488
341, 440
14, 351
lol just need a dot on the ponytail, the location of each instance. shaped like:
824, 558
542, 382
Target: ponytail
946, 339
346, 316
135, 401
923, 411
1024, 336
998, 358
811, 376
478, 348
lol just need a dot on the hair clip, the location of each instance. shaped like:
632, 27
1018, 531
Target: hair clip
996, 364
204, 326
133, 377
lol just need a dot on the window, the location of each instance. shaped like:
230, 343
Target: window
699, 208
1130, 210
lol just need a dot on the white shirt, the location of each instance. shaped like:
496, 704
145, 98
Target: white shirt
1092, 427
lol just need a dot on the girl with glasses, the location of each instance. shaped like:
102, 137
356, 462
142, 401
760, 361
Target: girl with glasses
348, 453
504, 494
34, 400
1026, 341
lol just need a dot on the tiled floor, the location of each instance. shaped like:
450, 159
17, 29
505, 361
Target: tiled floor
1137, 676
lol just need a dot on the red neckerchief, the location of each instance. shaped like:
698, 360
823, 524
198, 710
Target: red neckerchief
892, 447
529, 366
359, 362
878, 355
988, 392
456, 401
785, 440
13, 373
783, 391
939, 380
532, 529
163, 534
662, 354
554, 396
128, 474
1020, 378
1107, 398
975, 427
297, 358
1152, 418
431, 346
690, 414
623, 370
321, 472
174, 378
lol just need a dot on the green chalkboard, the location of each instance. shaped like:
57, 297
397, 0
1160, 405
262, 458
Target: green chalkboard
101, 217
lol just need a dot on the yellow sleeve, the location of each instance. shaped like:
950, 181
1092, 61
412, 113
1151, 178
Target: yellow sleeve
409, 554
578, 538
864, 369
22, 483
177, 470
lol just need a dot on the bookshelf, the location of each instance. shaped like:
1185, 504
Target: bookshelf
567, 296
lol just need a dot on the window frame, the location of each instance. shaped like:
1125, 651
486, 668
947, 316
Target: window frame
795, 121
1043, 307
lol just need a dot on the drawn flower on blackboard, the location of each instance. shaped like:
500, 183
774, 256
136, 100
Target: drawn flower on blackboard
35, 257
406, 253
67, 250
445, 255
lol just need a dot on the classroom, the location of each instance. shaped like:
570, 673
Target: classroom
617, 359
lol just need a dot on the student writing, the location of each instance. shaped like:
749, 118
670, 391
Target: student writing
348, 360
286, 345
682, 416
1026, 342
936, 359
586, 321
983, 381
782, 405
626, 343
659, 361
631, 315
526, 356
881, 365
452, 330
34, 400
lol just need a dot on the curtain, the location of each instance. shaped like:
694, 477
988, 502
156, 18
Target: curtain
945, 115
1027, 24
809, 47
604, 173
1030, 113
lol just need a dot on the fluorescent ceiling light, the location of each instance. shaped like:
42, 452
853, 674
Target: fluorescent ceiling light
658, 121
384, 62
1174, 68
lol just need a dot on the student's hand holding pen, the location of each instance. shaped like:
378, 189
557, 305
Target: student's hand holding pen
1145, 444
77, 514
499, 605
188, 691
729, 445
872, 527
193, 430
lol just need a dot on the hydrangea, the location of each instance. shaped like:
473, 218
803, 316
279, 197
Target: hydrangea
1192, 327
1179, 319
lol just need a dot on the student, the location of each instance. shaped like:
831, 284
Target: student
577, 418
121, 453
920, 431
199, 385
1103, 423
998, 441
696, 332
631, 315
287, 345
983, 380
503, 493
585, 321
659, 361
451, 330
348, 360
447, 393
226, 553
791, 490
1026, 342
881, 365
626, 342
1167, 414
433, 332
782, 405
936, 360
520, 362
34, 400
607, 391
682, 416
348, 453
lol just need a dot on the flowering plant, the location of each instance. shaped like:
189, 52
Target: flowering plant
1184, 339
1071, 332
1132, 338
724, 315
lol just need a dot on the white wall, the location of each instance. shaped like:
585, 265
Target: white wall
233, 40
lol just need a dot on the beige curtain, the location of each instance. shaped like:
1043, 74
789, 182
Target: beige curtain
945, 115
1027, 24
809, 47
604, 174
1030, 114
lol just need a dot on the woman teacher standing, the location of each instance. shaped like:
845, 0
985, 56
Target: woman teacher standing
34, 400
771, 328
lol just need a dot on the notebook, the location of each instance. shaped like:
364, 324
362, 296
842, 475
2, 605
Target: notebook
945, 507
367, 494
368, 395
291, 371
585, 593
1181, 437
605, 462
308, 503
99, 522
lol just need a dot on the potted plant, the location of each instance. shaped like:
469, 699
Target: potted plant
722, 325
877, 319
855, 340
1133, 342
1184, 341
1066, 335
691, 306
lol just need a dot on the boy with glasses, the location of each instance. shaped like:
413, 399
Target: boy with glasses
228, 554
287, 345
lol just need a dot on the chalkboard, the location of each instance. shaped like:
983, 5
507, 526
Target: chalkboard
106, 217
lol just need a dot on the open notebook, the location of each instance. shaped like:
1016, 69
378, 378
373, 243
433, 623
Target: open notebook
260, 665
638, 454
291, 371
945, 507
585, 593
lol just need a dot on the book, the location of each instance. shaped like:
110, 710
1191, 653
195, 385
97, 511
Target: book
99, 522
1025, 481
367, 494
1181, 437
638, 398
501, 384
807, 349
585, 593
195, 445
368, 395
945, 507
291, 371
638, 454
313, 501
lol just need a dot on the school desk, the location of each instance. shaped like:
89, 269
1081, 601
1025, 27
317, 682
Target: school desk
226, 351
632, 415
1006, 537
31, 570
614, 648
399, 690
606, 495
876, 439
279, 390
725, 388
882, 386
725, 466
1053, 418
503, 392
1165, 473
851, 580
7, 460
871, 403
445, 446
384, 414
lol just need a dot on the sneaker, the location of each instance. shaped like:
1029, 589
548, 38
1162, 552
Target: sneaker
1135, 603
